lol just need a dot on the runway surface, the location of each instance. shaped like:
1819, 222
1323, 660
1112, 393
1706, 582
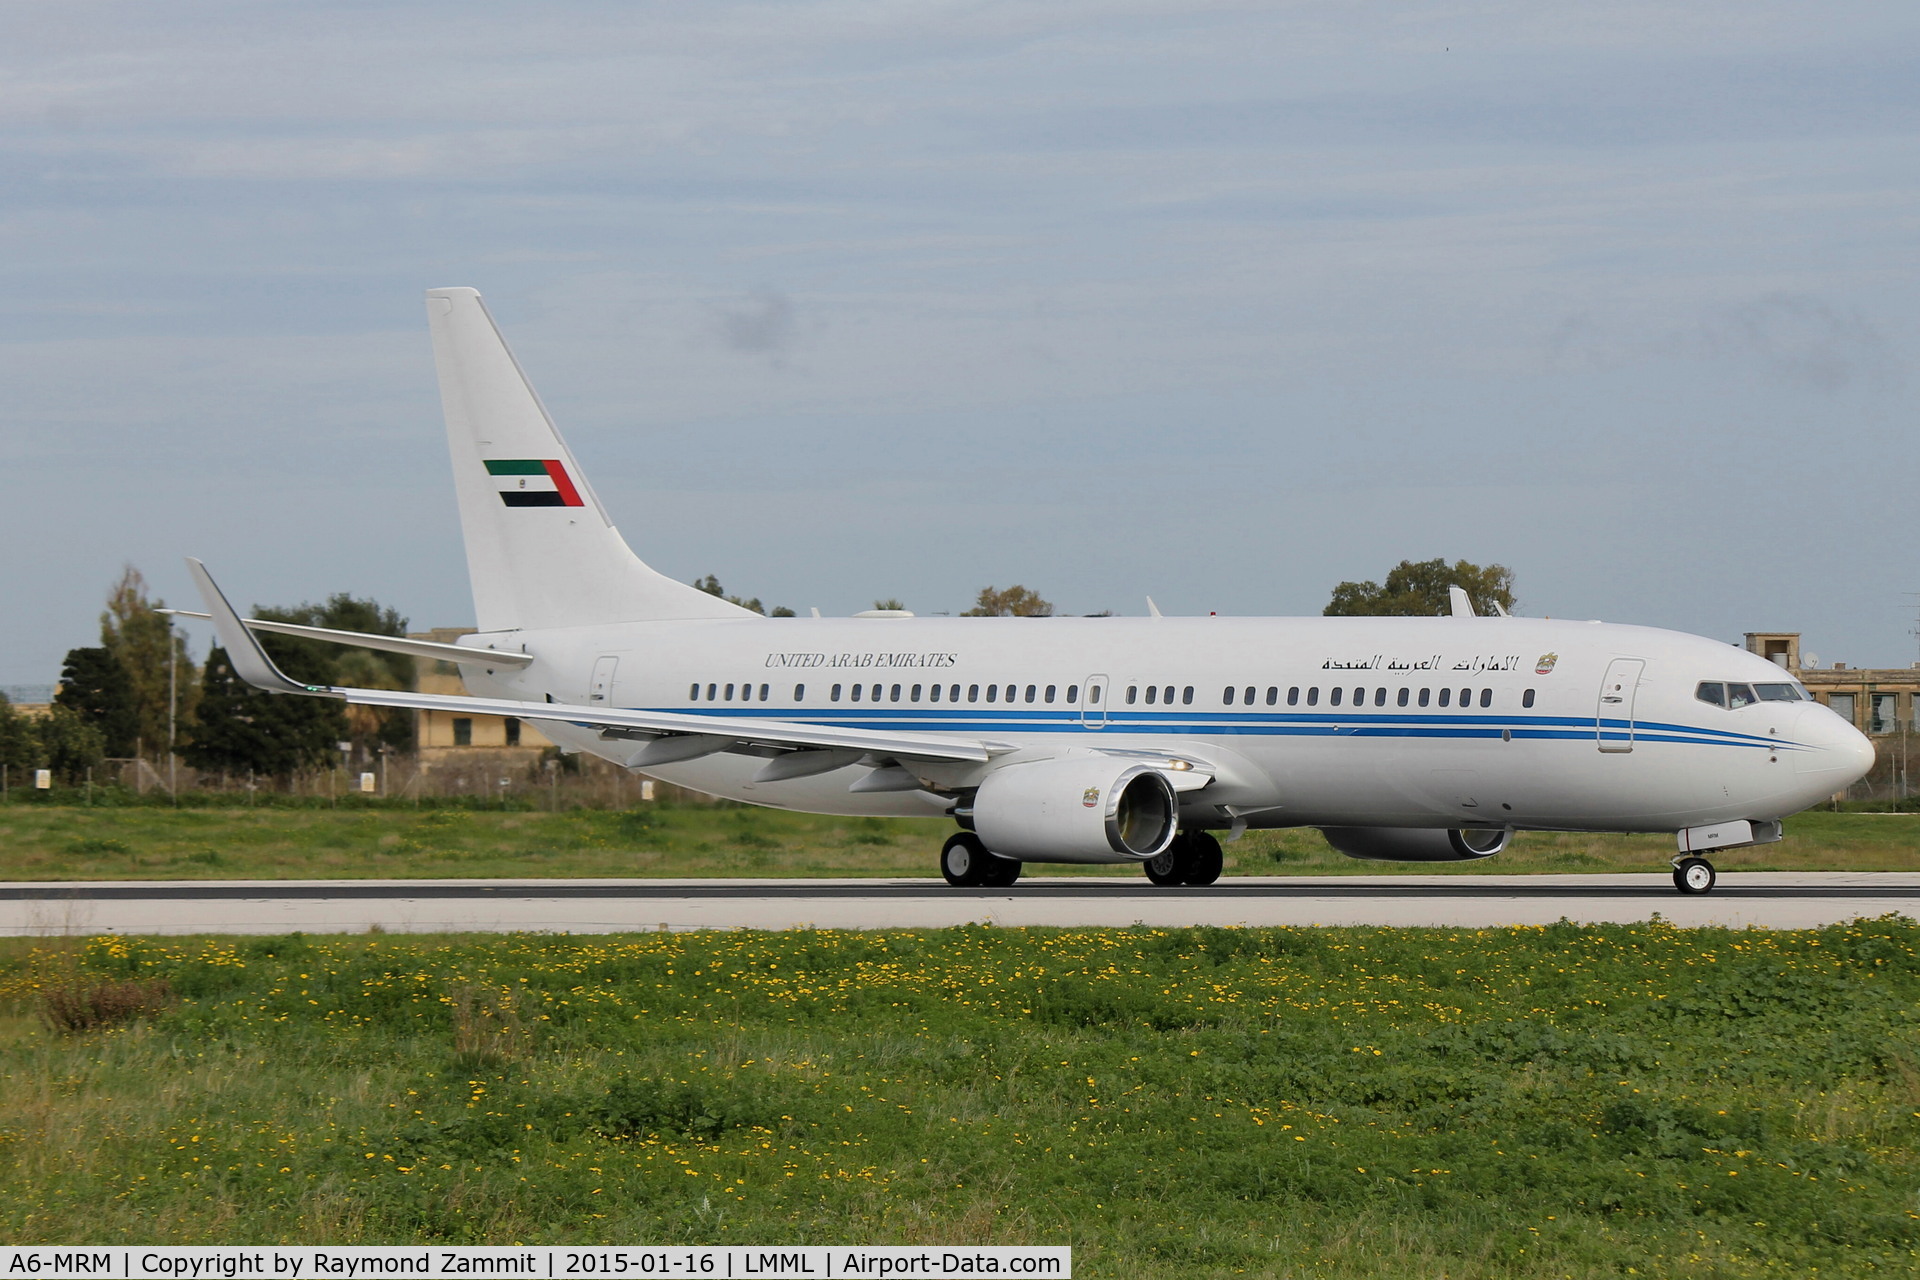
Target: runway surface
1768, 899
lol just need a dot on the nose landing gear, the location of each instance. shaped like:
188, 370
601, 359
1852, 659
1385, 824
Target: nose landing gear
1693, 875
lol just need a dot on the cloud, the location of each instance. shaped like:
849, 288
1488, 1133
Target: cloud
762, 324
1803, 339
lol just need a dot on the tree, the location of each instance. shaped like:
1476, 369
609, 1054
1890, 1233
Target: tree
368, 728
711, 585
68, 744
889, 603
242, 728
1419, 589
141, 637
95, 686
1015, 602
20, 747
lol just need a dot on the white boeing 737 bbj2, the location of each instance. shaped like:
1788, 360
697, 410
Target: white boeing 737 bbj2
1083, 740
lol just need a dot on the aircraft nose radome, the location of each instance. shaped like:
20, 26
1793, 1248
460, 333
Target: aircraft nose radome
1841, 754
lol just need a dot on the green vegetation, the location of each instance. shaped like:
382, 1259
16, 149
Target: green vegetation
1419, 589
392, 839
1526, 1102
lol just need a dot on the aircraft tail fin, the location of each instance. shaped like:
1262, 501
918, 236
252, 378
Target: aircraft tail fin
541, 551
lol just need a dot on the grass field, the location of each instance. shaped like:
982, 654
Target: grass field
59, 842
1520, 1103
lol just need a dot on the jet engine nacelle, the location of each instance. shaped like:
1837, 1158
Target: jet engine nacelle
1417, 844
1076, 809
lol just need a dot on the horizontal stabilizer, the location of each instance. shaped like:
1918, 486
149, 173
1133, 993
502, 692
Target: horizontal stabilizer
386, 644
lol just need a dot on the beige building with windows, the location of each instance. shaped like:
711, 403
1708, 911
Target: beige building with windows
446, 738
1876, 700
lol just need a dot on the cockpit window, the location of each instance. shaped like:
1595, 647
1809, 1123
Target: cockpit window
1733, 696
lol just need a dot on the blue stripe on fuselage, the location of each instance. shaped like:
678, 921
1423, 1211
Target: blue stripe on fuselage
1254, 724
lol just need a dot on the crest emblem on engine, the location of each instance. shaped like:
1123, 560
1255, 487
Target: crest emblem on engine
1544, 667
1090, 797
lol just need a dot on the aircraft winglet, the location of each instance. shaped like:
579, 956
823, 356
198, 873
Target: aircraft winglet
248, 658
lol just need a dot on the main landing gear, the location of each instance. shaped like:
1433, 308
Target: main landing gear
1693, 875
1193, 858
967, 864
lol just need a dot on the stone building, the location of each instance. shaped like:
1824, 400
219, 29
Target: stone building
1877, 700
447, 740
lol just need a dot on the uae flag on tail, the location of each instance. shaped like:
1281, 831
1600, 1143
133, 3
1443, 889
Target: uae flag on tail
533, 482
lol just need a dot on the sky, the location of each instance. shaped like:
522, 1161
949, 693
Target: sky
1221, 303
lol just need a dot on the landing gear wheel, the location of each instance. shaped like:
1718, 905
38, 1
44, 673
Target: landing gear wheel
1204, 859
1169, 867
962, 859
966, 864
1193, 858
1693, 875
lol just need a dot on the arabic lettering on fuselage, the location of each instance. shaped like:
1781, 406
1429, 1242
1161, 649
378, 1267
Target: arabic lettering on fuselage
1433, 662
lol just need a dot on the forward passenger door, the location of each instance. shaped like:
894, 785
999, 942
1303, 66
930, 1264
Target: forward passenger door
1613, 720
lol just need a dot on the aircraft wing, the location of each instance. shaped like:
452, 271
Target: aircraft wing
712, 733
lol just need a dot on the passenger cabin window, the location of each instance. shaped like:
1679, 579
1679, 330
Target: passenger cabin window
1186, 696
1293, 696
1446, 697
1526, 699
973, 692
1030, 693
875, 695
913, 694
856, 692
1403, 696
1050, 689
1740, 695
833, 694
1466, 697
1273, 695
1423, 696
694, 693
1073, 694
1379, 697
1359, 697
1486, 697
933, 693
1132, 689
1333, 698
1313, 696
1226, 695
763, 693
894, 696
993, 691
1093, 695
953, 694
799, 693
710, 691
729, 694
1153, 694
